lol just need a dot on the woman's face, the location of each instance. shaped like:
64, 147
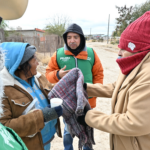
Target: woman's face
123, 53
33, 70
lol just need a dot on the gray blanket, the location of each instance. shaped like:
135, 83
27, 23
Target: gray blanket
75, 99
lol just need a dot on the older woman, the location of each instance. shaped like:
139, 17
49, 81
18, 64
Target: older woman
129, 123
9, 139
22, 85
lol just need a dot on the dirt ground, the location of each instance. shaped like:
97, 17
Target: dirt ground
107, 55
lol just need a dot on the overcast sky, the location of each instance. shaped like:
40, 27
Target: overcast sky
86, 13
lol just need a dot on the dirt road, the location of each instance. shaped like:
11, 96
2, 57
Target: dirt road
111, 70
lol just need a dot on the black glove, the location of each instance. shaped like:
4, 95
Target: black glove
85, 86
58, 75
81, 119
1, 20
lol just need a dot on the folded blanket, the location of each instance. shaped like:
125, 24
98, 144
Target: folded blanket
70, 90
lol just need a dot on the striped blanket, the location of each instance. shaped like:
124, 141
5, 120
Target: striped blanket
75, 99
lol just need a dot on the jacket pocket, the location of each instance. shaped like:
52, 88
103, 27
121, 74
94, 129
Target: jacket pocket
19, 105
135, 144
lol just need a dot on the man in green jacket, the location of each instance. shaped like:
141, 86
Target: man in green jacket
75, 54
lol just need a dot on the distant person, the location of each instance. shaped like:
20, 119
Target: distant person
129, 123
22, 85
75, 54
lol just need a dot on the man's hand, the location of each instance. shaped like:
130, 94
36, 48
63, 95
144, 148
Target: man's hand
62, 72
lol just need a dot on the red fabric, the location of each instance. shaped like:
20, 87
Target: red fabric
127, 64
136, 37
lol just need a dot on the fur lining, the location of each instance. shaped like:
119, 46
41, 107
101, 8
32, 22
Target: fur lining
1, 95
9, 80
1, 84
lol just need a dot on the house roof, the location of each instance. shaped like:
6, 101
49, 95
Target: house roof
36, 29
39, 30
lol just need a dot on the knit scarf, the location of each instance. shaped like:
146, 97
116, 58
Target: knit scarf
127, 64
70, 90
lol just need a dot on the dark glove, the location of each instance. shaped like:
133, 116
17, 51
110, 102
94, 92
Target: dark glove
58, 75
81, 119
51, 113
1, 20
85, 86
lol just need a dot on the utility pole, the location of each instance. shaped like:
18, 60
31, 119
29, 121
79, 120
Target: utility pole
90, 31
108, 28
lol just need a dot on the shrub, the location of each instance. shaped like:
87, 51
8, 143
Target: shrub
93, 40
112, 42
117, 41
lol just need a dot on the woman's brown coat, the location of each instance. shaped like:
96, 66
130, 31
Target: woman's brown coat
129, 123
15, 101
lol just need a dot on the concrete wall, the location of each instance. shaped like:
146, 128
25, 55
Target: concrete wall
27, 33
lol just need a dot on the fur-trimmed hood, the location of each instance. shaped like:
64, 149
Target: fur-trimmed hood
14, 52
9, 80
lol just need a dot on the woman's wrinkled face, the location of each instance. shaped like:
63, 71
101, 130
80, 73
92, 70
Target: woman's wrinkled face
33, 70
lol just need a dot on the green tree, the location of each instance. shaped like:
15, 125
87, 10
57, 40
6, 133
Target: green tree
139, 10
128, 15
115, 33
125, 15
4, 26
57, 25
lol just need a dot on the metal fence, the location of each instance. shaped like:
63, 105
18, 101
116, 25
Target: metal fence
51, 44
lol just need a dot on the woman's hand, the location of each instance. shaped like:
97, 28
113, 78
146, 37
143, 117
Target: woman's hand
62, 72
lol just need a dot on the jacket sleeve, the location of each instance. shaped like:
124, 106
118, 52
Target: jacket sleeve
24, 125
51, 70
100, 90
135, 122
97, 70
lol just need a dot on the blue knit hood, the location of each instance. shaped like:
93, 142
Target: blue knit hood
14, 52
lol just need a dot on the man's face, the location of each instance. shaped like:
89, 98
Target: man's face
123, 53
73, 40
